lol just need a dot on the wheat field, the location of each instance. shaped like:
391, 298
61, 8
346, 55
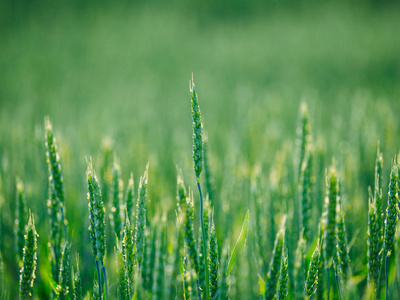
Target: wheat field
204, 151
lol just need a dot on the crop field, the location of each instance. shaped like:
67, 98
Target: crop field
212, 150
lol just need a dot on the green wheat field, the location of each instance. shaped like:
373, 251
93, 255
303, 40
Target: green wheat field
200, 150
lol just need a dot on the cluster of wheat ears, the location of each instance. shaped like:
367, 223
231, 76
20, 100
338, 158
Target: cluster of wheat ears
142, 250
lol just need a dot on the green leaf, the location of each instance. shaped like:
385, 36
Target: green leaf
216, 295
239, 247
54, 285
262, 283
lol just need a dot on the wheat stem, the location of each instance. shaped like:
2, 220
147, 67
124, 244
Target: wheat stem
203, 231
328, 283
386, 278
105, 281
98, 277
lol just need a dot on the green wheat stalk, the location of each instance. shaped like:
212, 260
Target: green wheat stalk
96, 290
186, 278
198, 166
391, 220
378, 198
97, 223
158, 279
55, 225
312, 274
274, 266
303, 136
129, 195
20, 220
140, 225
375, 227
175, 260
145, 262
149, 260
190, 241
374, 252
213, 261
343, 258
283, 277
123, 282
320, 287
77, 283
128, 250
202, 271
299, 268
27, 273
55, 171
305, 190
330, 221
117, 195
186, 215
64, 275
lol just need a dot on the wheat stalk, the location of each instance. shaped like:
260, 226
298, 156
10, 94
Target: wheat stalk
55, 171
197, 127
27, 273
299, 268
140, 225
274, 266
20, 220
117, 194
213, 261
123, 282
97, 223
64, 275
283, 277
312, 274
391, 220
77, 283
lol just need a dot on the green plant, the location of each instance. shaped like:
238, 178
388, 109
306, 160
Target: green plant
128, 251
312, 274
20, 220
55, 225
129, 194
331, 200
305, 196
299, 268
391, 220
97, 224
77, 284
213, 261
64, 276
140, 225
283, 277
375, 227
117, 195
341, 244
55, 171
198, 167
274, 266
27, 273
159, 267
123, 282
186, 279
303, 137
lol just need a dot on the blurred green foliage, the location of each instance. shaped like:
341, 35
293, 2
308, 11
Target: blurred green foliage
120, 71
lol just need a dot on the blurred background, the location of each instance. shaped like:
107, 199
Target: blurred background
118, 73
